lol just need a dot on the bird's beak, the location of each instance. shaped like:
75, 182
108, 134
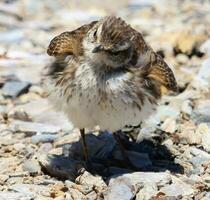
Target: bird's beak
98, 48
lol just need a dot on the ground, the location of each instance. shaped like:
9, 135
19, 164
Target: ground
40, 152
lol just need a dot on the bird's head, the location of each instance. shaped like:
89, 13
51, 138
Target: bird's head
109, 43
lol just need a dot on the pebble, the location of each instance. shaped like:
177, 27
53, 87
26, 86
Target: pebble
199, 160
120, 189
202, 78
30, 189
15, 88
205, 47
140, 178
145, 133
75, 194
19, 146
12, 36
190, 135
147, 192
186, 107
31, 127
169, 125
8, 163
182, 58
87, 179
178, 190
139, 4
163, 112
15, 195
198, 152
43, 138
206, 141
32, 166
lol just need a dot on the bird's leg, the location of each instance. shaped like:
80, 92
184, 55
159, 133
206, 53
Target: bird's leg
84, 145
122, 149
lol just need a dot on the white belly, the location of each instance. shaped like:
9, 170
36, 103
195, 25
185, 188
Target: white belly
87, 108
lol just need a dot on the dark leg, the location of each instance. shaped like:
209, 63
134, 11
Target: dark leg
122, 149
84, 144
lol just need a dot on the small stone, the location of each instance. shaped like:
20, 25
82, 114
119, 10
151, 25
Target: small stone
3, 178
75, 194
203, 128
187, 42
205, 47
120, 189
15, 88
32, 166
36, 89
199, 160
186, 107
166, 111
44, 148
201, 80
147, 192
145, 133
182, 58
31, 127
7, 164
20, 115
169, 125
88, 179
207, 195
19, 146
198, 152
29, 189
206, 141
92, 195
85, 189
57, 151
12, 36
189, 134
136, 4
140, 178
43, 138
177, 189
15, 195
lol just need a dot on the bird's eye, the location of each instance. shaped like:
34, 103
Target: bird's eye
94, 34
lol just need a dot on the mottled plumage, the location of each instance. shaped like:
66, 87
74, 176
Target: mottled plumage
69, 43
105, 74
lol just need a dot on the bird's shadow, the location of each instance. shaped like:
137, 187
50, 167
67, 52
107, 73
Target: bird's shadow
106, 159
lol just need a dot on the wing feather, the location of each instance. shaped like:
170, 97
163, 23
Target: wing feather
159, 71
70, 42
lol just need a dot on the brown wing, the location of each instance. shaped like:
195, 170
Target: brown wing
159, 71
154, 67
69, 43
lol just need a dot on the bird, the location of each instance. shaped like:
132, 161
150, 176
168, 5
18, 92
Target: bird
105, 74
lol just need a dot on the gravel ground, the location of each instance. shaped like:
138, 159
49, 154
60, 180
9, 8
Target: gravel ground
40, 152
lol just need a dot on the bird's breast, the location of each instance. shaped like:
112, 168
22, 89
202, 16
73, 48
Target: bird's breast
98, 98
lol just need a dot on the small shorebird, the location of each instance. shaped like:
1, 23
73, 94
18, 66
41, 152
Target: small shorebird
105, 74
